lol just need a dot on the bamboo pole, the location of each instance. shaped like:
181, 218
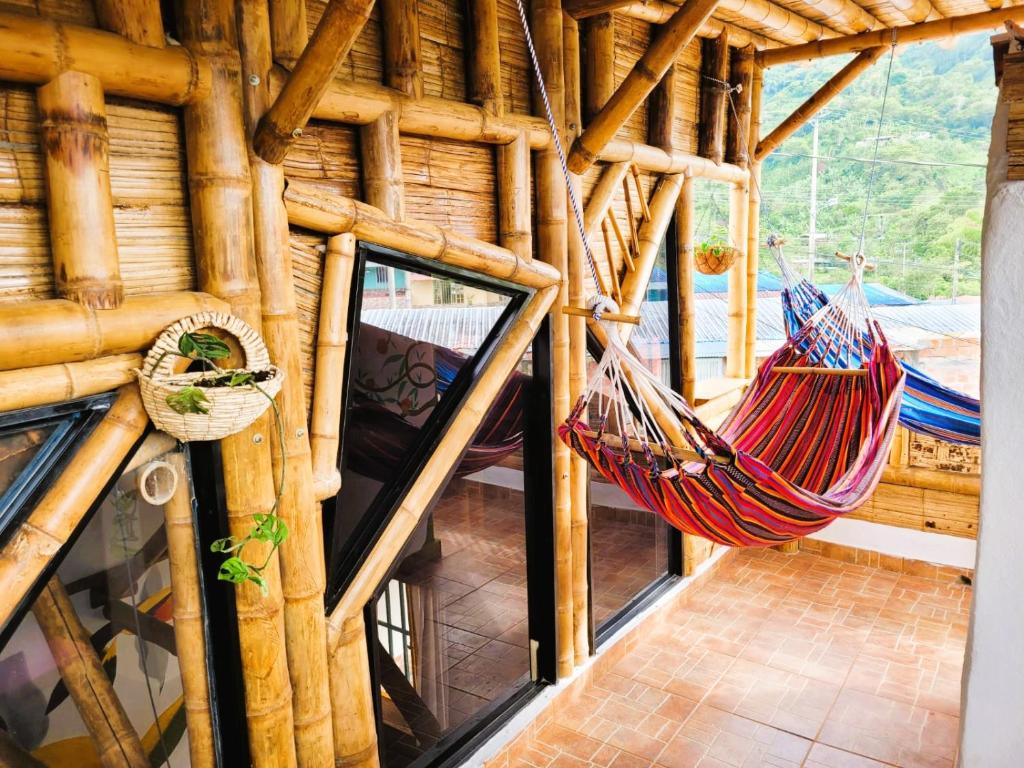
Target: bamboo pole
313, 207
189, 620
137, 20
630, 216
403, 67
301, 555
783, 23
835, 85
660, 11
916, 10
735, 358
662, 105
651, 67
357, 103
685, 224
60, 331
846, 15
28, 387
599, 64
933, 479
655, 160
741, 77
714, 71
288, 30
579, 471
222, 222
59, 512
599, 205
76, 158
484, 65
331, 341
912, 33
546, 20
515, 227
899, 449
753, 220
38, 50
117, 744
339, 27
383, 186
355, 728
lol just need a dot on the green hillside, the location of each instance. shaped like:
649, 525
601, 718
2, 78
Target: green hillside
930, 181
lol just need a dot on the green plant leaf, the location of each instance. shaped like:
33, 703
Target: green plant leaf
269, 528
240, 378
228, 544
235, 570
189, 400
203, 346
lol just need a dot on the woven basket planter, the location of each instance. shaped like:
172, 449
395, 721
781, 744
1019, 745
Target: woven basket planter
715, 260
230, 409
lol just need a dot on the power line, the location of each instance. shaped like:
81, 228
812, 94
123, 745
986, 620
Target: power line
886, 161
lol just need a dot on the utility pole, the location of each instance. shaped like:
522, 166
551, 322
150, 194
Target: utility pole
956, 270
903, 268
812, 224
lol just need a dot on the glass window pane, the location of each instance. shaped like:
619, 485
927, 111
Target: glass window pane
17, 449
117, 579
458, 629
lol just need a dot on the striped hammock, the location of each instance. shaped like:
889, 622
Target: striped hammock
928, 407
800, 449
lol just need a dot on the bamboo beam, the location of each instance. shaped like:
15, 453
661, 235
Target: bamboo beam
37, 51
552, 245
913, 33
138, 20
933, 479
741, 76
685, 224
331, 341
76, 158
221, 197
383, 186
651, 67
579, 471
189, 619
355, 729
356, 103
288, 30
846, 15
599, 64
483, 78
49, 526
812, 106
714, 73
60, 331
655, 160
602, 195
301, 555
737, 313
340, 25
662, 106
916, 10
313, 207
403, 66
753, 221
29, 387
117, 744
660, 11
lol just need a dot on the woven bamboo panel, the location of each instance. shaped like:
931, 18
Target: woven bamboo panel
1013, 92
515, 68
441, 46
147, 178
307, 263
923, 510
930, 453
326, 153
363, 62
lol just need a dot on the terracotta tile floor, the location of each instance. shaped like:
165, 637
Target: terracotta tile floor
775, 660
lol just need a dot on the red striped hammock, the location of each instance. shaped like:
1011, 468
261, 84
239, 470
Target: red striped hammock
798, 450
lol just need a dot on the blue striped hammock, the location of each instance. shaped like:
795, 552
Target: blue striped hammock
928, 406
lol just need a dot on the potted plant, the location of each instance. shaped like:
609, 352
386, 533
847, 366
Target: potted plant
714, 255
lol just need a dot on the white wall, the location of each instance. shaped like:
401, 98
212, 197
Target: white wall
940, 548
992, 728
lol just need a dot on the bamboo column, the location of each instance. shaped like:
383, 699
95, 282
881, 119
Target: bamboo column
288, 30
651, 67
76, 154
483, 78
137, 20
355, 726
403, 67
331, 340
685, 224
60, 511
117, 743
714, 73
753, 220
579, 471
383, 186
515, 226
741, 76
552, 248
735, 356
662, 105
835, 85
599, 64
189, 621
222, 222
303, 576
339, 27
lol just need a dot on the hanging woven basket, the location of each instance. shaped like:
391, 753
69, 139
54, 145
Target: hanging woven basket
714, 259
228, 409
